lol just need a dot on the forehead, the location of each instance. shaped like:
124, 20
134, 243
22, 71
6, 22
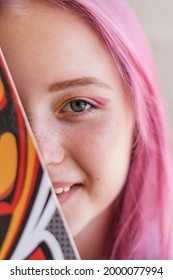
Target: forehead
45, 36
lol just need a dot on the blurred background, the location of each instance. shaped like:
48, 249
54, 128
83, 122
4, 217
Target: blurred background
156, 20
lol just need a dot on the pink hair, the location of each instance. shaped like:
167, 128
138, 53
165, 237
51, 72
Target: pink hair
142, 221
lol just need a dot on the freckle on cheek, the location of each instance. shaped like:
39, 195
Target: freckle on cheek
97, 179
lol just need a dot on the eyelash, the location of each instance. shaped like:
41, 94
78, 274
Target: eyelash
80, 113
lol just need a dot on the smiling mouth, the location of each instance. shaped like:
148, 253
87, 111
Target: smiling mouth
61, 190
65, 191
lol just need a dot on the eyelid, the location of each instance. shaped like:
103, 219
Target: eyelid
67, 101
95, 102
72, 115
77, 112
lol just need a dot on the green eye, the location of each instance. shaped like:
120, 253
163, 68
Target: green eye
78, 105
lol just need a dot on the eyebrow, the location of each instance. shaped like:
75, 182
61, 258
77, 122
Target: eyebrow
72, 83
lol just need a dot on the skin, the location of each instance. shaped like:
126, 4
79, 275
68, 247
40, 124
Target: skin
45, 46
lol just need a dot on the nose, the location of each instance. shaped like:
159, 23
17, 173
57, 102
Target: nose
52, 151
50, 147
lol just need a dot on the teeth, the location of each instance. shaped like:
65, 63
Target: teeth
60, 190
66, 189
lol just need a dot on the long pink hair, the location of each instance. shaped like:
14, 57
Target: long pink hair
141, 226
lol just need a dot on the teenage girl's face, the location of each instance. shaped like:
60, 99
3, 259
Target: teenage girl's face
75, 101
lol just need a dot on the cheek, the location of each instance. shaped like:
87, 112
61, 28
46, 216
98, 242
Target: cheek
95, 139
102, 147
104, 153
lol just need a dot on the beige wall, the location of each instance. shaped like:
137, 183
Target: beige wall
156, 19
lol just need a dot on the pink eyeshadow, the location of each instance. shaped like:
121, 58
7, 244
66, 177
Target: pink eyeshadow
100, 100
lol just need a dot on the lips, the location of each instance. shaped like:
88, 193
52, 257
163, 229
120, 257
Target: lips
64, 190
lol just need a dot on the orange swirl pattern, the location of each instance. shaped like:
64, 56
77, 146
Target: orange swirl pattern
3, 99
25, 196
8, 163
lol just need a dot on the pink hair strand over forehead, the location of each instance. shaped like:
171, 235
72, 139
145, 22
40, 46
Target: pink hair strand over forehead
141, 225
